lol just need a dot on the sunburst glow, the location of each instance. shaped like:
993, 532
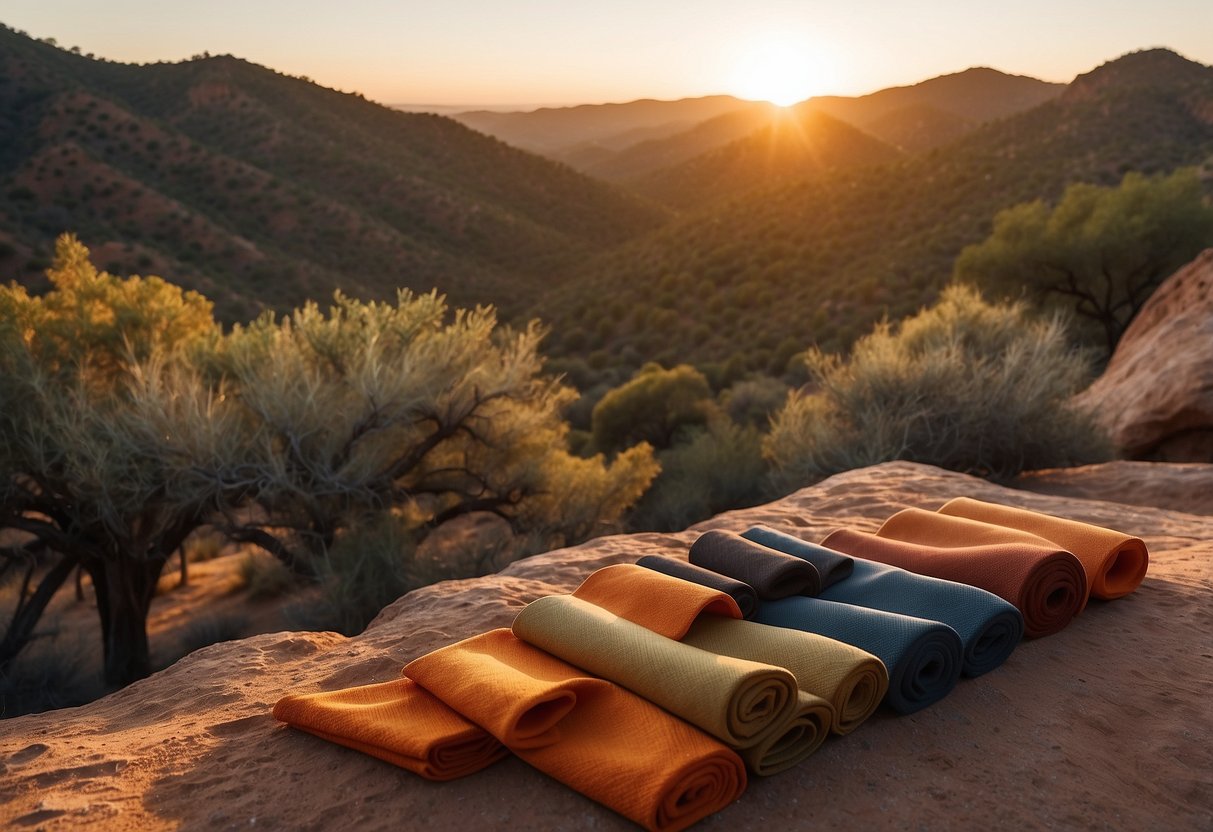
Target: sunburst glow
781, 70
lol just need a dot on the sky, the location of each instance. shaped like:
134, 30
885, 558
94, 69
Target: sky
554, 52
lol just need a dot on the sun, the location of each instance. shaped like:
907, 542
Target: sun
781, 70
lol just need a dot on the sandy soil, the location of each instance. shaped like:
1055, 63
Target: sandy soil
1107, 725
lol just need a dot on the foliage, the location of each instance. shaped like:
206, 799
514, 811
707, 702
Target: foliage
264, 576
716, 468
1100, 252
753, 400
652, 407
967, 385
130, 422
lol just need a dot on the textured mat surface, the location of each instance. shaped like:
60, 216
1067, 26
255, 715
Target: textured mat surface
772, 574
742, 593
831, 566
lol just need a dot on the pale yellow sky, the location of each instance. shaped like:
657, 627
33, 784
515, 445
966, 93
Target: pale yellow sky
564, 51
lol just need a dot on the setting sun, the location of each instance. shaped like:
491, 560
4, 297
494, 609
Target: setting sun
781, 70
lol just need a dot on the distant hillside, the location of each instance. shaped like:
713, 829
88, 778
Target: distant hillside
556, 131
797, 144
265, 190
755, 280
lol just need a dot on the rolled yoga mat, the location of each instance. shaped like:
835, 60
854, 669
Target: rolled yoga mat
772, 574
1045, 583
607, 743
989, 627
832, 566
1115, 562
739, 702
742, 593
851, 680
628, 591
397, 721
923, 657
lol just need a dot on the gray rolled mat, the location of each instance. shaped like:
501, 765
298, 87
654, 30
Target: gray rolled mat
831, 565
772, 574
989, 627
923, 657
742, 593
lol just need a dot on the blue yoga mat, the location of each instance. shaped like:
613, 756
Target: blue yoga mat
923, 657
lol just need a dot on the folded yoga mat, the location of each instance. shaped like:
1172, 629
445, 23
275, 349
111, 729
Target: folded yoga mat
851, 680
607, 743
628, 590
1045, 583
1115, 562
740, 702
742, 593
989, 627
830, 565
923, 657
397, 721
772, 574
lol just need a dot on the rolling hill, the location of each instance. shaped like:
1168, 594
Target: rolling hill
264, 190
750, 282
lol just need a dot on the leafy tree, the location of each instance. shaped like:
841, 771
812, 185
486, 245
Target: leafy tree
128, 420
101, 431
1100, 252
967, 385
652, 407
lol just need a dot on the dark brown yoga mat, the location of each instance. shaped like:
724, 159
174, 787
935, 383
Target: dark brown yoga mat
1115, 562
1046, 584
742, 593
773, 574
830, 565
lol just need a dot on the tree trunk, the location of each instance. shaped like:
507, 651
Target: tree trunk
125, 587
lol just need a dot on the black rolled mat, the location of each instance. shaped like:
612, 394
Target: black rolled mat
989, 627
923, 657
772, 574
831, 565
742, 593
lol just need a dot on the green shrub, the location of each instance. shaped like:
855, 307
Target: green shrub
965, 385
753, 401
652, 408
719, 467
264, 576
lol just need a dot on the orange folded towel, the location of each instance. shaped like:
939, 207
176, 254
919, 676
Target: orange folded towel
602, 740
631, 592
1115, 562
396, 721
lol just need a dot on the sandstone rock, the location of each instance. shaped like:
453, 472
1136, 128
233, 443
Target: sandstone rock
1156, 395
1104, 725
1177, 486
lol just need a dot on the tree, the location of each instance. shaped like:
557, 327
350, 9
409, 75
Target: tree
966, 385
101, 430
652, 407
377, 405
1100, 252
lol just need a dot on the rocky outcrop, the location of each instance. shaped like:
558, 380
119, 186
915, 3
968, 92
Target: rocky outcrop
1177, 486
1104, 725
1156, 395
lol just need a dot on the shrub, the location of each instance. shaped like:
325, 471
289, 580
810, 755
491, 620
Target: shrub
965, 385
753, 401
264, 576
206, 630
652, 408
719, 467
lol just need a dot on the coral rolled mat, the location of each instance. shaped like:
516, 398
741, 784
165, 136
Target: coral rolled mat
742, 703
1045, 583
923, 657
832, 566
1115, 562
594, 736
397, 721
989, 627
742, 593
772, 574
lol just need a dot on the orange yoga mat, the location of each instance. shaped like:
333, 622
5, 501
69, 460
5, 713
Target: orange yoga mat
1045, 583
632, 592
1115, 562
607, 743
397, 721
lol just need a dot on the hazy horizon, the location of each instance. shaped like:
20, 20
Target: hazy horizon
537, 53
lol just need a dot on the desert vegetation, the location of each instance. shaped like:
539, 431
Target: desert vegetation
131, 420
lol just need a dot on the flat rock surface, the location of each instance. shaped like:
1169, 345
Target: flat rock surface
1106, 725
1179, 486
